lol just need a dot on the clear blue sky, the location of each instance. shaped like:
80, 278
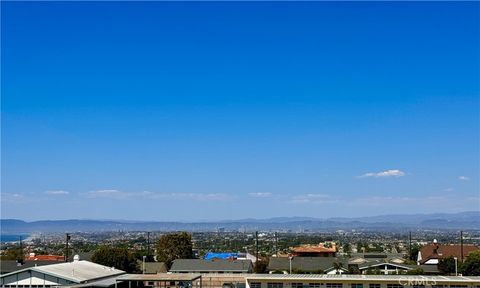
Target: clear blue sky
205, 111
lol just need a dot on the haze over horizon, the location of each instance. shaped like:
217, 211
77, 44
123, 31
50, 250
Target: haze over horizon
282, 218
239, 110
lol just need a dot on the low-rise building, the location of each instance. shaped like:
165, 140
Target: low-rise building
314, 265
211, 266
60, 274
320, 250
432, 253
359, 281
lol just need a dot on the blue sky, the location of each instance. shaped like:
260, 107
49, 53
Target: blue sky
205, 111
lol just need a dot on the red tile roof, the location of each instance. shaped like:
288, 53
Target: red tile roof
45, 257
444, 251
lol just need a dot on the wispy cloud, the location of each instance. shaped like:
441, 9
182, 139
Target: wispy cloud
193, 196
13, 197
384, 174
260, 194
106, 193
463, 178
449, 190
119, 195
312, 199
57, 192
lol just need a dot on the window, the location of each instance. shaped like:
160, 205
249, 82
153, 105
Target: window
334, 285
394, 286
458, 286
357, 285
373, 285
314, 285
418, 286
297, 285
255, 285
274, 285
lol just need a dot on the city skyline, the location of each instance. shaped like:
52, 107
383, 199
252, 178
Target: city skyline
209, 111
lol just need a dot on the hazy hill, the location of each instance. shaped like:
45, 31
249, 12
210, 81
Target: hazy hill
463, 220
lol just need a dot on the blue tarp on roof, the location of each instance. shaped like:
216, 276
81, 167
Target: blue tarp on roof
221, 255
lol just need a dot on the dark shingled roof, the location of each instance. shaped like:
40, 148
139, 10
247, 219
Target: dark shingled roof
213, 265
7, 266
307, 264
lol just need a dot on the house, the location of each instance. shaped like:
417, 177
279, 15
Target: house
362, 258
358, 281
211, 266
8, 266
320, 250
61, 274
384, 267
313, 265
432, 253
34, 257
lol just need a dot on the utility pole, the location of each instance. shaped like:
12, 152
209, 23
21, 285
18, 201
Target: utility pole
21, 250
66, 252
410, 244
276, 244
256, 246
461, 246
148, 245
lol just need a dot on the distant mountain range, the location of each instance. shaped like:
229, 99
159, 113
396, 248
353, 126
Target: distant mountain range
438, 221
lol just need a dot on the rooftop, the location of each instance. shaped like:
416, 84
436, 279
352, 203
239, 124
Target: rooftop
160, 277
320, 248
77, 271
213, 265
345, 277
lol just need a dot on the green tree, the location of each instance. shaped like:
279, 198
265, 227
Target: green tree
413, 253
13, 253
338, 267
471, 265
174, 246
260, 266
446, 265
118, 257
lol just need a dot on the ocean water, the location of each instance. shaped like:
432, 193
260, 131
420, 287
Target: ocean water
12, 237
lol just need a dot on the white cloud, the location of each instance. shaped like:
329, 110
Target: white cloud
106, 193
463, 178
260, 194
193, 196
449, 190
116, 194
57, 192
384, 174
13, 198
313, 199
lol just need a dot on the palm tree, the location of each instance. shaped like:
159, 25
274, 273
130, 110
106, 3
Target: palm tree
338, 267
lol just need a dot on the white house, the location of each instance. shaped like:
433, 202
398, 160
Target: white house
61, 274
